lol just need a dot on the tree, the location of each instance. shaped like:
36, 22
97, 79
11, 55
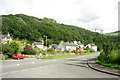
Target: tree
49, 42
7, 50
28, 50
15, 46
10, 49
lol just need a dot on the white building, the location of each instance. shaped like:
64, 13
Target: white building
38, 44
67, 46
79, 44
5, 38
92, 46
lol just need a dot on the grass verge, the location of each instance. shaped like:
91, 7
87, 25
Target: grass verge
111, 65
65, 56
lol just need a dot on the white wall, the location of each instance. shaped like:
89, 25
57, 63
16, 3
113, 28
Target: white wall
71, 48
40, 46
94, 48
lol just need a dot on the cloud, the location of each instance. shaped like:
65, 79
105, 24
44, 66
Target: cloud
87, 17
83, 13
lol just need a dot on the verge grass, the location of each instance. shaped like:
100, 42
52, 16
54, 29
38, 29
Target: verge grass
66, 56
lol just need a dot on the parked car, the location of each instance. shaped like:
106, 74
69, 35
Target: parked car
18, 56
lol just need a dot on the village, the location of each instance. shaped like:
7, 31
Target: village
73, 48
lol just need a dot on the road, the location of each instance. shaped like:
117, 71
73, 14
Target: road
75, 67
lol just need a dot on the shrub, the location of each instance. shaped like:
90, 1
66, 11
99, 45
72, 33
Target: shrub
65, 51
37, 50
43, 52
10, 49
114, 57
4, 57
102, 57
28, 50
51, 50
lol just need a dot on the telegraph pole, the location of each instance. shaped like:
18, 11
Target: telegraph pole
46, 42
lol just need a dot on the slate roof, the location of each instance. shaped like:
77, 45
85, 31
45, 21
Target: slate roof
69, 44
92, 44
3, 36
37, 43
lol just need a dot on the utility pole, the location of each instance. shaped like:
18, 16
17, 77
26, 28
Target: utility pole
101, 31
95, 29
46, 42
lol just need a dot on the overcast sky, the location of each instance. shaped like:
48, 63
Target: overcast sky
88, 14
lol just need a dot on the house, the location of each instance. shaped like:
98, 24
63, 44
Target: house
67, 46
38, 44
92, 46
55, 46
79, 44
5, 38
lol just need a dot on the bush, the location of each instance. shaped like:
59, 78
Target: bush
102, 57
37, 50
84, 51
43, 52
51, 53
51, 50
114, 56
66, 51
4, 57
28, 50
10, 49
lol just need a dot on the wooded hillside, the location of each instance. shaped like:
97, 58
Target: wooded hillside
31, 28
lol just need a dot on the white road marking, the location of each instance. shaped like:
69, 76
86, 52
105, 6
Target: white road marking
54, 60
13, 72
33, 62
83, 59
24, 69
18, 64
3, 73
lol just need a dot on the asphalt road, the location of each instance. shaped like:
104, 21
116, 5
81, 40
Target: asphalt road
75, 67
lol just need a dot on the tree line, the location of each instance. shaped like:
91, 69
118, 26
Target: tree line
33, 29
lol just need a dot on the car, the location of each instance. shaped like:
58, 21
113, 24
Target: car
18, 56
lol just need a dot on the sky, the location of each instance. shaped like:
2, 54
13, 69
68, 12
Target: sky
88, 14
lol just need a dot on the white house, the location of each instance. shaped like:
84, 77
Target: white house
5, 38
55, 46
79, 44
38, 44
92, 46
67, 46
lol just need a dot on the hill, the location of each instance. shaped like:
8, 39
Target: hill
31, 28
116, 33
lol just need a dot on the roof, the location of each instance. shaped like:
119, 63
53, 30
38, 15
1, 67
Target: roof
54, 45
92, 44
37, 43
69, 44
3, 36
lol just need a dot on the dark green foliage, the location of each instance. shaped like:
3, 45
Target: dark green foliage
49, 42
7, 50
10, 49
31, 28
66, 51
114, 57
51, 50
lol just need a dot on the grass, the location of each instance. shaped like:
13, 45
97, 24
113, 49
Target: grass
66, 56
113, 34
111, 65
112, 61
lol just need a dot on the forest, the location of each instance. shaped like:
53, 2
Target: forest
33, 29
